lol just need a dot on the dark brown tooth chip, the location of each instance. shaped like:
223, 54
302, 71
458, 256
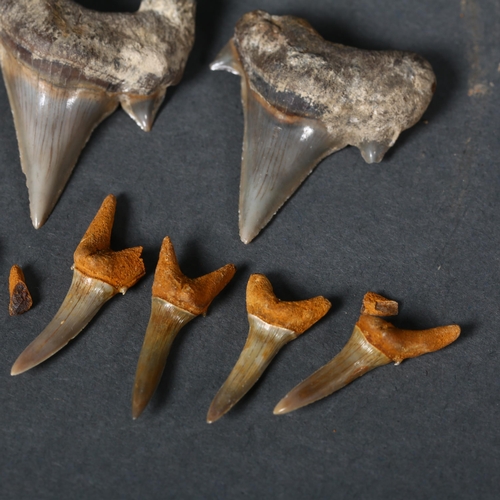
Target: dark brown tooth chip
20, 297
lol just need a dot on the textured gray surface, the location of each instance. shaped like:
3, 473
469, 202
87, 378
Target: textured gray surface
421, 227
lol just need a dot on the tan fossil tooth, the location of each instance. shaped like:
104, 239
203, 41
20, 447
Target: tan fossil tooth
305, 98
374, 342
176, 300
66, 68
99, 274
20, 297
273, 324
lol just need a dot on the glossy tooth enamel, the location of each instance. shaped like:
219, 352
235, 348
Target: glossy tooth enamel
374, 342
99, 274
273, 323
305, 98
165, 322
176, 300
83, 300
67, 68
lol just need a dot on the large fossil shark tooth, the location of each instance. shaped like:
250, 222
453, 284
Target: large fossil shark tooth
374, 342
273, 324
176, 300
99, 273
305, 98
66, 68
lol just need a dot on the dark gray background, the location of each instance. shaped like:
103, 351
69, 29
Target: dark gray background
421, 227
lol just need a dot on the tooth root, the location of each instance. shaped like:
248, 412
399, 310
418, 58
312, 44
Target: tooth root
279, 152
143, 109
192, 295
273, 323
93, 257
356, 358
164, 324
177, 299
227, 60
53, 125
83, 300
263, 343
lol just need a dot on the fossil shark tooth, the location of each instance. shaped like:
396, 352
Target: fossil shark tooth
99, 273
305, 98
273, 324
20, 297
176, 300
374, 342
67, 68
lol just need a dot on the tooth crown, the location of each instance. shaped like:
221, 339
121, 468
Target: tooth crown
297, 316
362, 97
94, 258
192, 295
122, 52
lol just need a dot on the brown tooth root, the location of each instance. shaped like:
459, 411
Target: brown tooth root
177, 299
273, 324
99, 274
192, 295
95, 259
374, 342
20, 297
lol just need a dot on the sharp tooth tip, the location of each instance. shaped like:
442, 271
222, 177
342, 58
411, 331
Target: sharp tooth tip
138, 408
280, 409
37, 224
214, 415
246, 236
17, 370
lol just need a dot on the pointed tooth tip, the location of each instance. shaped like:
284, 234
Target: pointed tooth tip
19, 367
214, 414
247, 234
283, 407
138, 407
37, 222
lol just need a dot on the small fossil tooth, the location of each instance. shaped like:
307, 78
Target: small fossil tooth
273, 324
99, 274
305, 98
176, 300
67, 68
374, 342
20, 297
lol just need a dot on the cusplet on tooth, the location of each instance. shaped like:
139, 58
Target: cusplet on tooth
273, 323
67, 68
176, 300
374, 342
305, 98
99, 274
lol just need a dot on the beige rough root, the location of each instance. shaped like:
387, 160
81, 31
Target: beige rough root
132, 53
360, 96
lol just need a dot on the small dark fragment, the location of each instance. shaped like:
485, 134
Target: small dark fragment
20, 297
